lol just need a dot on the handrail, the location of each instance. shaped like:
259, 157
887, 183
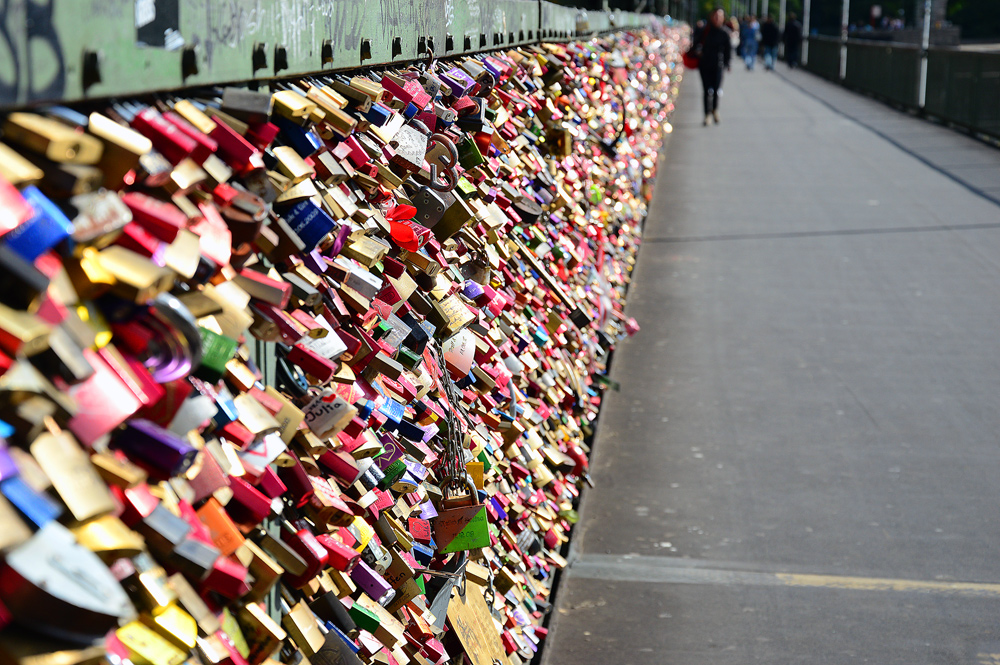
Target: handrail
72, 50
863, 42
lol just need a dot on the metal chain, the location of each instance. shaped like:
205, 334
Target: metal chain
453, 463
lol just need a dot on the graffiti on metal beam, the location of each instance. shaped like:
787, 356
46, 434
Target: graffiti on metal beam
32, 62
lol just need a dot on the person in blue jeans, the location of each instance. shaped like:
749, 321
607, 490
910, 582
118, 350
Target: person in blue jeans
749, 31
770, 37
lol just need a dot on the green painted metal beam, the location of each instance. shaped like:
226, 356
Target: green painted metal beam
70, 50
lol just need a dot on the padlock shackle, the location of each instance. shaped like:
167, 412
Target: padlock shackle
454, 481
450, 174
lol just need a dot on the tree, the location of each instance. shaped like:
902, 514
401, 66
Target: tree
705, 7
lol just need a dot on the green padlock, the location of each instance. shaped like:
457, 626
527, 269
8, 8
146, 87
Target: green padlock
468, 153
462, 522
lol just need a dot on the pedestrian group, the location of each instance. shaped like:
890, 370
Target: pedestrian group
714, 41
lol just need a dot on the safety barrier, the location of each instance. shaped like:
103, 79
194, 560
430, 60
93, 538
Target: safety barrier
68, 51
824, 57
962, 88
887, 70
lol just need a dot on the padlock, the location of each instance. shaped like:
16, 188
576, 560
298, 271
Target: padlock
303, 542
477, 269
82, 602
72, 475
461, 523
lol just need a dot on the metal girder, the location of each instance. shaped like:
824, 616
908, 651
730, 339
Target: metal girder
70, 50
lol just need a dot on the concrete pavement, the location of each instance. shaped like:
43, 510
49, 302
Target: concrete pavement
803, 462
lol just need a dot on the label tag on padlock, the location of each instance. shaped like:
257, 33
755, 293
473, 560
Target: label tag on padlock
327, 414
470, 616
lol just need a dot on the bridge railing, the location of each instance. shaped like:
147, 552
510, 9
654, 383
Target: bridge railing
66, 51
961, 87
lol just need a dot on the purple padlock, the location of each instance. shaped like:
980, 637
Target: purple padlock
8, 469
459, 82
416, 469
315, 262
155, 448
372, 583
472, 290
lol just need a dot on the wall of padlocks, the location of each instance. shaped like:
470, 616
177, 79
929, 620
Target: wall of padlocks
433, 262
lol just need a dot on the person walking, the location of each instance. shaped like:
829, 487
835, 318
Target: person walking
770, 37
749, 32
733, 27
716, 50
793, 40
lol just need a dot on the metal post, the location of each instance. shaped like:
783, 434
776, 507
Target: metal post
732, 7
805, 31
753, 7
925, 43
844, 20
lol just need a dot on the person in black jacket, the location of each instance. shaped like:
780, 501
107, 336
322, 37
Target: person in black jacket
793, 41
770, 36
716, 49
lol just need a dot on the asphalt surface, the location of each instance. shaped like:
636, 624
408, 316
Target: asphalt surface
803, 462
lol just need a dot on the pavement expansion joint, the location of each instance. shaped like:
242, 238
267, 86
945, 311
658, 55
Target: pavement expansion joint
669, 570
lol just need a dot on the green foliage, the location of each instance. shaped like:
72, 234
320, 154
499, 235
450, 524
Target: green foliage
706, 7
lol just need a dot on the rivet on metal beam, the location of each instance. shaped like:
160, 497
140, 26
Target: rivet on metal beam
449, 42
259, 57
421, 45
467, 43
520, 36
189, 61
366, 49
280, 58
326, 52
397, 46
482, 40
510, 38
430, 44
496, 38
92, 67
